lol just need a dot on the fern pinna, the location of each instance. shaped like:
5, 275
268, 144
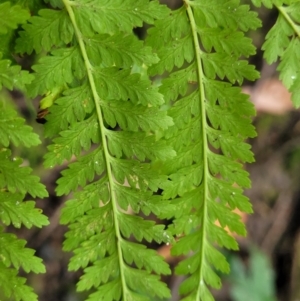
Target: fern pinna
104, 117
200, 45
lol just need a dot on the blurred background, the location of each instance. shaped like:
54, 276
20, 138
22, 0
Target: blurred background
267, 267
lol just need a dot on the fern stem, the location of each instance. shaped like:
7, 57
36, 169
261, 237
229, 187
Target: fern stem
97, 100
200, 75
289, 19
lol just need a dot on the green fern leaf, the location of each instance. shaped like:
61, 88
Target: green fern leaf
11, 16
137, 175
269, 3
12, 76
259, 279
282, 41
18, 179
71, 107
85, 200
290, 64
12, 129
14, 253
123, 50
15, 212
81, 135
49, 29
206, 177
143, 229
276, 40
150, 288
92, 277
13, 286
12, 210
148, 259
106, 120
144, 201
108, 291
90, 226
113, 84
138, 145
132, 117
226, 40
81, 171
116, 16
171, 91
56, 70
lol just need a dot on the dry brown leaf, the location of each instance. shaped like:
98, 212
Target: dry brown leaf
270, 96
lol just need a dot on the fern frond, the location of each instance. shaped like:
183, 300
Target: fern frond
15, 182
206, 176
105, 119
283, 42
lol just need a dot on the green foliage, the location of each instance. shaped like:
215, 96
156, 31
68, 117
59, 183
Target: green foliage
12, 76
16, 179
105, 119
283, 41
256, 283
11, 16
154, 127
207, 175
15, 183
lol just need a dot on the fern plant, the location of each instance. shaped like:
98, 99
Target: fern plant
155, 126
